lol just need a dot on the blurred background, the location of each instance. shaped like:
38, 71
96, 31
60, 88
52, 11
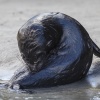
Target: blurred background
14, 13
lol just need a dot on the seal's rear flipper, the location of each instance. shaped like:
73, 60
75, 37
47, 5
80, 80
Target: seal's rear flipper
96, 49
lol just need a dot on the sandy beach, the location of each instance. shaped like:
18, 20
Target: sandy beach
14, 13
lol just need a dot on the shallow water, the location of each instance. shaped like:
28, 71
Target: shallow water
67, 92
56, 93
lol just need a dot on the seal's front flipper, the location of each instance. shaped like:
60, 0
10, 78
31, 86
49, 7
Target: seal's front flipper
96, 49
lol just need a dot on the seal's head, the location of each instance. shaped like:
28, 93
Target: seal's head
32, 45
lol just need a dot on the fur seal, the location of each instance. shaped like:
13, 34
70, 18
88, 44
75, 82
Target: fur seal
56, 49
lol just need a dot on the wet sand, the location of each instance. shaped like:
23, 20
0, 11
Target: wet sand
14, 13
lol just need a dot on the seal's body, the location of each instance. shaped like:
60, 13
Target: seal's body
56, 49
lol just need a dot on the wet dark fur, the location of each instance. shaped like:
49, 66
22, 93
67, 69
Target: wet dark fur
56, 49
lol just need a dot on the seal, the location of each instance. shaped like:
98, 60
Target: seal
56, 49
